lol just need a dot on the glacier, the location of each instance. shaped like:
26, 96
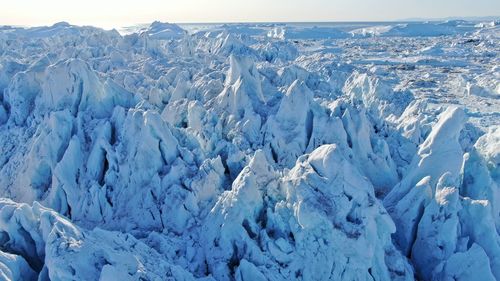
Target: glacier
266, 151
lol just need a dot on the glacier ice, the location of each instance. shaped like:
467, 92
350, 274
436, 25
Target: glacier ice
250, 152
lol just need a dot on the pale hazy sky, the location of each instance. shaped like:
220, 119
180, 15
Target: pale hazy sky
116, 13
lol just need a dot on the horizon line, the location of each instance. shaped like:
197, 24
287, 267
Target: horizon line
413, 19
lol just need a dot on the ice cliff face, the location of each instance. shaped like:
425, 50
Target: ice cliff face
226, 155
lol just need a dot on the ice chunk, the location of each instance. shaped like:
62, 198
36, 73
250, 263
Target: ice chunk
289, 131
164, 31
14, 267
469, 265
438, 229
316, 221
54, 246
439, 153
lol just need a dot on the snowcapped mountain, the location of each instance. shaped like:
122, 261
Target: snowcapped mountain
250, 152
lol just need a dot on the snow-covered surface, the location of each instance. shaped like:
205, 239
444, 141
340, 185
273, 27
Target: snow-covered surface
361, 151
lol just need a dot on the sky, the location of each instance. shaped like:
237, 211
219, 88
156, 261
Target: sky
118, 13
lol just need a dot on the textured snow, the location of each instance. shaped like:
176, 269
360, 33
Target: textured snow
355, 151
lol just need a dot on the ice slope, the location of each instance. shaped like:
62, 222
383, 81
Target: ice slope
51, 246
231, 153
